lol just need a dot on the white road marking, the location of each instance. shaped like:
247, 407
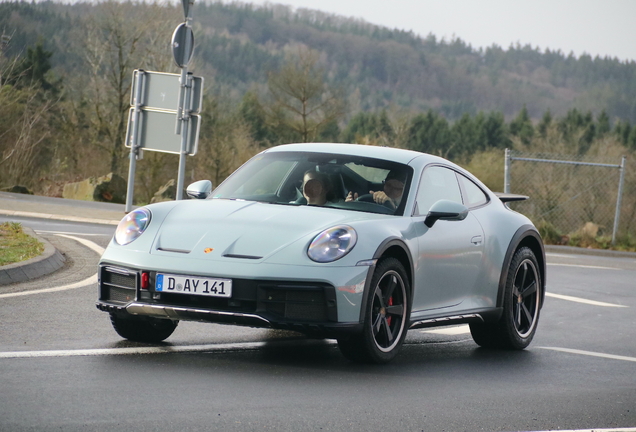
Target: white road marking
66, 232
450, 331
583, 266
133, 350
590, 353
582, 300
561, 255
88, 281
89, 244
598, 430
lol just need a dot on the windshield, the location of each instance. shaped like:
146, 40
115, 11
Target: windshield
320, 179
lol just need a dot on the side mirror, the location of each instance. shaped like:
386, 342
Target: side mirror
200, 189
445, 210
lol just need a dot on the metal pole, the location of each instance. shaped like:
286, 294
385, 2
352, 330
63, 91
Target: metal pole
184, 134
507, 172
183, 111
134, 147
619, 200
182, 90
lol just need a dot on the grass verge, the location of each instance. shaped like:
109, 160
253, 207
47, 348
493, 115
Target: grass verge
16, 245
585, 239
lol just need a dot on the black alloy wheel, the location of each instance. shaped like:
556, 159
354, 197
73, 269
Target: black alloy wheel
386, 317
525, 298
522, 303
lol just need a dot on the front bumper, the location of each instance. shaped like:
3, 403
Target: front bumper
305, 306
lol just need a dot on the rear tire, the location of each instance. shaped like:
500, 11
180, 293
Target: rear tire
386, 317
143, 329
521, 306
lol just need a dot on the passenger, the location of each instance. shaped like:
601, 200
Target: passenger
316, 188
391, 195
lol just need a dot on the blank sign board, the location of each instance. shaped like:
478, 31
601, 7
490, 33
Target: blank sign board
160, 91
156, 132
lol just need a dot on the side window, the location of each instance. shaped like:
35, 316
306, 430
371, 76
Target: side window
437, 183
473, 195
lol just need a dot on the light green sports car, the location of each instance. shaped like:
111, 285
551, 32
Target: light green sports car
350, 242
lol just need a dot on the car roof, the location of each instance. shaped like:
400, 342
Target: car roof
376, 152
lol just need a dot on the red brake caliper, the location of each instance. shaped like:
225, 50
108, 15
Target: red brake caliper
388, 319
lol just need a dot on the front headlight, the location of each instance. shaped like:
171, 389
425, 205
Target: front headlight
132, 226
332, 244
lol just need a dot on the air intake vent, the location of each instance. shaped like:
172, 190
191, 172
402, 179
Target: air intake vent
118, 285
296, 304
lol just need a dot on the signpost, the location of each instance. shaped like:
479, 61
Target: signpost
160, 91
155, 132
182, 49
157, 99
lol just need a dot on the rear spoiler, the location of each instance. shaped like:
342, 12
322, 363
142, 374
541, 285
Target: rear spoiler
508, 197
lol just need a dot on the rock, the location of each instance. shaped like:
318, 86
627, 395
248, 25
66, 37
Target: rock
17, 189
108, 188
590, 230
167, 192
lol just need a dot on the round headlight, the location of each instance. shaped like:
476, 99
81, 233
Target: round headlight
332, 244
132, 226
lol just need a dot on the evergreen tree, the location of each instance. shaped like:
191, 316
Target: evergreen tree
602, 124
31, 69
37, 65
496, 131
623, 129
465, 135
545, 123
369, 127
330, 132
522, 127
430, 133
631, 140
256, 120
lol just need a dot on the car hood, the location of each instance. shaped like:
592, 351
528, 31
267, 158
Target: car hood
242, 229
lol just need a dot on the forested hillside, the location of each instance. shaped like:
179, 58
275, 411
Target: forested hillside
378, 67
65, 73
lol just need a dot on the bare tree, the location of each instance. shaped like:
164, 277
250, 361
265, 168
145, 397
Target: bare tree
302, 103
117, 40
24, 114
225, 143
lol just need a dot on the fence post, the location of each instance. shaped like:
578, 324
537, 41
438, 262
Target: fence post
619, 199
507, 172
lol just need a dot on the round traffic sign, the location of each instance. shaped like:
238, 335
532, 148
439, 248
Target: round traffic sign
182, 45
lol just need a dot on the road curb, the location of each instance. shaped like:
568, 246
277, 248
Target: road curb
59, 217
585, 251
49, 261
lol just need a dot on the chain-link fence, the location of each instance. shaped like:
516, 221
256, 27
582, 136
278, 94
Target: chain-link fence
573, 193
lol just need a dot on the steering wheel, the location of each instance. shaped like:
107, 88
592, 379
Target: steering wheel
369, 198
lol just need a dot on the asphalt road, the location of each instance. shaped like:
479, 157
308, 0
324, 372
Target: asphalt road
62, 367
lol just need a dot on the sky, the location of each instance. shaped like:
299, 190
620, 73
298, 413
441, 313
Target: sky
596, 27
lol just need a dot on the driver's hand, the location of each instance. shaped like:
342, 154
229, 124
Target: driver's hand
380, 197
351, 197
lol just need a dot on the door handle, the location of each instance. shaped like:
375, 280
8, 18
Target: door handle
476, 240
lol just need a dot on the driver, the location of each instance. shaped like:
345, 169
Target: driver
391, 195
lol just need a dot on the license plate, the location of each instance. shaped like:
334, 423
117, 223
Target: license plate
212, 287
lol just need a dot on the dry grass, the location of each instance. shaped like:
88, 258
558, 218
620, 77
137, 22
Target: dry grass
16, 245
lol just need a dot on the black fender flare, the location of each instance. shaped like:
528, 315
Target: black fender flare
526, 235
379, 253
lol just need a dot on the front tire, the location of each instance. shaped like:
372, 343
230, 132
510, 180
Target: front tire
521, 306
143, 329
386, 317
